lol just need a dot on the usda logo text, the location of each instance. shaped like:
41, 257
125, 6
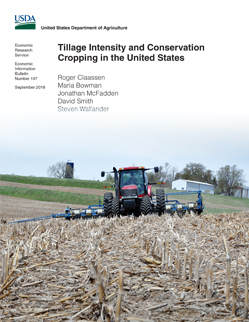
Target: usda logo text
25, 22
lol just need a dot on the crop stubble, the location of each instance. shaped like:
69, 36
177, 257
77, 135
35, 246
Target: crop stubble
124, 269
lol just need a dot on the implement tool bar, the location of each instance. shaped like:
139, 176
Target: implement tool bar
34, 219
183, 193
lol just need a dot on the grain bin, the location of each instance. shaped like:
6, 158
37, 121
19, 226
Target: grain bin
69, 170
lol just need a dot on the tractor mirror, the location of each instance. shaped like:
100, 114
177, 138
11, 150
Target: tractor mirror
102, 173
156, 169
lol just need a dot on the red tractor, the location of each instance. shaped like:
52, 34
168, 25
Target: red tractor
133, 193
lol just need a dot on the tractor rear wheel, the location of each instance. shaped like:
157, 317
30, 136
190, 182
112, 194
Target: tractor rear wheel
145, 205
115, 207
108, 196
160, 201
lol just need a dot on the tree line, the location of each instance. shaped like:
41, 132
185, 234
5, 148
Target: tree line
225, 180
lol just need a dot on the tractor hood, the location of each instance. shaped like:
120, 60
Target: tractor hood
130, 190
131, 186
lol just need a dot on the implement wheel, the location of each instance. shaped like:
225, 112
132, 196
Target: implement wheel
115, 207
145, 205
160, 201
108, 196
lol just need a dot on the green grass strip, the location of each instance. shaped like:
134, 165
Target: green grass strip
51, 196
214, 211
220, 200
55, 182
225, 200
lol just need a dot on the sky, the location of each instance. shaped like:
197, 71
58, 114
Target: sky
178, 112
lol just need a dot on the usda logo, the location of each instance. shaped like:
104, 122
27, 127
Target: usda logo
24, 22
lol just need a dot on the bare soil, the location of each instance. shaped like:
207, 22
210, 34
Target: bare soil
12, 208
86, 191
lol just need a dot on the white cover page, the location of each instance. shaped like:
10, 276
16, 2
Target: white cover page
111, 83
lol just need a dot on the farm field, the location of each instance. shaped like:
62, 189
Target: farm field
120, 269
13, 208
44, 196
124, 269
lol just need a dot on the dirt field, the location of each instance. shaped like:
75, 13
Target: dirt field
18, 208
97, 192
12, 208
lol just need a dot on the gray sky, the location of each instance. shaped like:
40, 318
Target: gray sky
177, 112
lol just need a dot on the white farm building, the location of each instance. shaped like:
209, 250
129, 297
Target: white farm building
189, 185
241, 192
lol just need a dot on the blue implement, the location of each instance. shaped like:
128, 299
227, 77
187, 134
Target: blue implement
173, 205
94, 211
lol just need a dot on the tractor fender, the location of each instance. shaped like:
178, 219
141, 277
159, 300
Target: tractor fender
149, 191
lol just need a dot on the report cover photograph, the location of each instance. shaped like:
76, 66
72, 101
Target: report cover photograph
124, 172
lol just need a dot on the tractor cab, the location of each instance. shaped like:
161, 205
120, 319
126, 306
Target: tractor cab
133, 177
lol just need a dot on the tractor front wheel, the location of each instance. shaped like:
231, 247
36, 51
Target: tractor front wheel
160, 201
108, 196
146, 205
115, 206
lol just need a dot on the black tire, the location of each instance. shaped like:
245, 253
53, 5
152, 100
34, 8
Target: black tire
108, 196
115, 207
145, 205
160, 201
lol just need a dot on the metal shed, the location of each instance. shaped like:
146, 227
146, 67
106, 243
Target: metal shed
241, 192
189, 185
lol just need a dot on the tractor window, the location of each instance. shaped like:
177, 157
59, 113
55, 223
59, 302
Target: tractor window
133, 177
145, 178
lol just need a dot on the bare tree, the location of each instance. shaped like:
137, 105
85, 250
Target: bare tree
166, 174
110, 177
229, 178
167, 170
170, 173
59, 170
152, 177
